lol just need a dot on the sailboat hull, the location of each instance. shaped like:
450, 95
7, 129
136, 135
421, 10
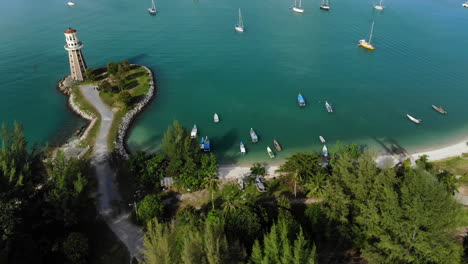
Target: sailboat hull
298, 10
379, 7
365, 45
325, 7
239, 28
152, 11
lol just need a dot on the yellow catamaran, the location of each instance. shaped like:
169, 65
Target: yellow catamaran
367, 45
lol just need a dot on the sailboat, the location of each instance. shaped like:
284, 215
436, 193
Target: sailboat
216, 118
270, 152
325, 6
297, 8
152, 9
70, 3
242, 148
194, 132
325, 151
379, 6
367, 45
240, 24
465, 4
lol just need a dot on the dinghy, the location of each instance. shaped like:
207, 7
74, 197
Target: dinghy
242, 148
417, 121
270, 153
322, 139
194, 132
216, 118
253, 136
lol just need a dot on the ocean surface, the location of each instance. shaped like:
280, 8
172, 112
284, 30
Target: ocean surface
250, 79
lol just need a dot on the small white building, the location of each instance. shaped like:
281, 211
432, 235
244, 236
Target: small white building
75, 56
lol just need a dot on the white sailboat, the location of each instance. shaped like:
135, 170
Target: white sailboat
367, 45
240, 24
216, 118
297, 8
322, 139
70, 3
324, 5
152, 9
194, 132
379, 6
417, 121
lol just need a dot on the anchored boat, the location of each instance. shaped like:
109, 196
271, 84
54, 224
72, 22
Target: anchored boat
297, 8
194, 132
379, 6
242, 148
70, 3
417, 121
325, 151
216, 118
240, 24
465, 4
367, 45
277, 145
205, 144
439, 109
322, 139
329, 107
324, 5
270, 153
253, 136
152, 9
300, 100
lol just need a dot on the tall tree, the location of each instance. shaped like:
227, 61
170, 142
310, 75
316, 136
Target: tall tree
15, 160
159, 244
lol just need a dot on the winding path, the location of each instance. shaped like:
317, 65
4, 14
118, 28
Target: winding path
120, 224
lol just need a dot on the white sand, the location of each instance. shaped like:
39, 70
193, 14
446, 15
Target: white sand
231, 172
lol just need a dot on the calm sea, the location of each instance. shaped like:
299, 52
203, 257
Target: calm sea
252, 79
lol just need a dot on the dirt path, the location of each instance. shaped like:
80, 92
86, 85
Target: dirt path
120, 224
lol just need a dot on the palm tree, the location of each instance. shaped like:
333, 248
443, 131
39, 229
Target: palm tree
212, 184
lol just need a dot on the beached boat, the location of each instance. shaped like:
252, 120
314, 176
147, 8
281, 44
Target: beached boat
241, 183
277, 145
253, 136
242, 148
439, 109
367, 45
239, 27
202, 143
297, 8
417, 121
465, 4
216, 118
329, 107
270, 152
194, 132
324, 5
259, 184
300, 100
322, 139
70, 3
325, 151
379, 6
152, 9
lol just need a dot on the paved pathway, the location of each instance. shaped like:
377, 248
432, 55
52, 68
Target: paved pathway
128, 233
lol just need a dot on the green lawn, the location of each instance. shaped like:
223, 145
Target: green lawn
87, 107
456, 165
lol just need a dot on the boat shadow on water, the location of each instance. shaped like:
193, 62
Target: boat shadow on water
391, 146
225, 141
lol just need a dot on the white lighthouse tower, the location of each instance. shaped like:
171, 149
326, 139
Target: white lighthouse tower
75, 56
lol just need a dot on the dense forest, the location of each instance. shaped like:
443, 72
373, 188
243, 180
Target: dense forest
339, 210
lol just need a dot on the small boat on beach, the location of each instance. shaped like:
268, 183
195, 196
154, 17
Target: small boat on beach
253, 136
70, 3
270, 153
322, 139
297, 8
379, 6
239, 27
216, 118
329, 107
152, 9
367, 45
417, 121
277, 145
300, 100
242, 148
325, 6
194, 132
439, 109
325, 151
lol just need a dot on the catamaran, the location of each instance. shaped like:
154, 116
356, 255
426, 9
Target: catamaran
152, 9
325, 151
367, 45
70, 3
297, 8
439, 109
253, 136
242, 148
324, 5
270, 153
329, 107
240, 24
277, 145
417, 121
216, 118
322, 139
379, 6
300, 100
194, 132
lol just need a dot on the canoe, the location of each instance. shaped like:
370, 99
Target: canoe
277, 145
329, 107
193, 134
417, 121
439, 109
270, 152
216, 118
322, 139
325, 151
242, 148
253, 136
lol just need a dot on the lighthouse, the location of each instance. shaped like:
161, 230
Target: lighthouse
75, 56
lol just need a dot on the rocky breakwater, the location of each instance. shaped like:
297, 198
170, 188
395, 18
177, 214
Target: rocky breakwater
128, 118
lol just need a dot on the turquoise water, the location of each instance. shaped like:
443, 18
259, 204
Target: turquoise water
252, 79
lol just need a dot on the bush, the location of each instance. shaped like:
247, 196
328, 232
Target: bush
90, 75
112, 68
149, 208
75, 248
126, 98
105, 87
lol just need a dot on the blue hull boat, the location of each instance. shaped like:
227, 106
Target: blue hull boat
300, 100
242, 148
253, 136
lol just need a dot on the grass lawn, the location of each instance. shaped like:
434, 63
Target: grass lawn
456, 165
87, 107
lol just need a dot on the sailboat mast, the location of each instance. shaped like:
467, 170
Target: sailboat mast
241, 23
372, 29
380, 3
153, 5
300, 2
